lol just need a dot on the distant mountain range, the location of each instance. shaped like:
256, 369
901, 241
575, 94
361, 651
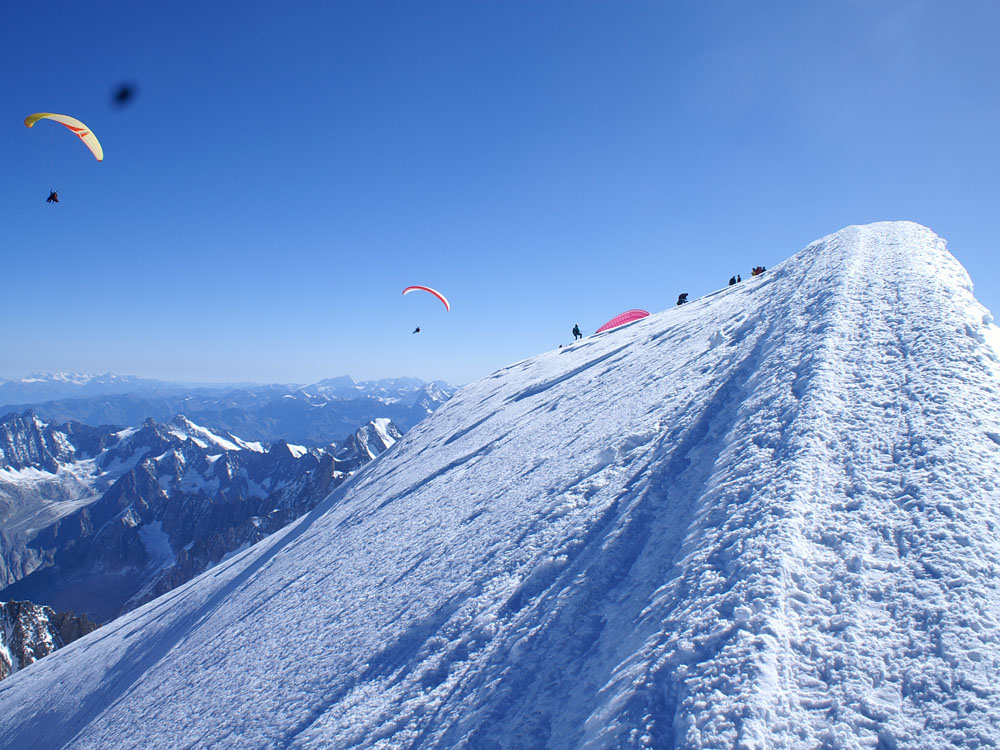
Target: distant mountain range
313, 415
49, 386
98, 520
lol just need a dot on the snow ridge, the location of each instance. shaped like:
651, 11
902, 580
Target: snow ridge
766, 518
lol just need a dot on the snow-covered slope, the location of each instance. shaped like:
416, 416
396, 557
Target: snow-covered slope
765, 519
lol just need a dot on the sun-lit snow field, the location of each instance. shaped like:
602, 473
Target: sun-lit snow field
765, 519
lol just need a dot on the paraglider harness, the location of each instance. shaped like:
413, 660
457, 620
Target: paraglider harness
53, 197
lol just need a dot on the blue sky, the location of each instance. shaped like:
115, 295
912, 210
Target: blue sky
285, 170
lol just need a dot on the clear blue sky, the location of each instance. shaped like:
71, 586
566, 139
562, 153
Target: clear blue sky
287, 168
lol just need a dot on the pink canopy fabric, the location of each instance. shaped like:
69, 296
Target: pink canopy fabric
620, 320
435, 292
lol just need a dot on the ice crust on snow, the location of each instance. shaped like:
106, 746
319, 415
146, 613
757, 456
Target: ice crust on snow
764, 519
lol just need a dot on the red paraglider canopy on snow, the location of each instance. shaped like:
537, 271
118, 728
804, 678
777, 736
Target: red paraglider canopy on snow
620, 320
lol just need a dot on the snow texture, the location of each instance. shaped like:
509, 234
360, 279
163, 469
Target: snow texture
764, 519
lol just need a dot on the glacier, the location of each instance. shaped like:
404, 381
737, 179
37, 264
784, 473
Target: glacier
768, 518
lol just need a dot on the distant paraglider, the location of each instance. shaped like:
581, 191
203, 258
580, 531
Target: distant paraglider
620, 320
435, 292
81, 131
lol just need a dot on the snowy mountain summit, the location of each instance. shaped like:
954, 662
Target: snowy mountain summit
765, 519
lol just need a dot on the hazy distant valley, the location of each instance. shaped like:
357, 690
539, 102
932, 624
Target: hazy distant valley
317, 414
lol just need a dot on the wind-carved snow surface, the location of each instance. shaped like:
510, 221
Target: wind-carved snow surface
764, 519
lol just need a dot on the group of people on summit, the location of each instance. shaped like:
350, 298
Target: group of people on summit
757, 271
681, 298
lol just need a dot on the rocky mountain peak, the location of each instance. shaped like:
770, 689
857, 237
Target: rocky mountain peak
30, 631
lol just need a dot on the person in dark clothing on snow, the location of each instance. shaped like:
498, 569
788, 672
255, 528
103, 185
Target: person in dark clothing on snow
53, 197
732, 280
682, 298
576, 332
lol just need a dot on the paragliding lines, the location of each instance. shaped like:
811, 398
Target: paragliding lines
84, 133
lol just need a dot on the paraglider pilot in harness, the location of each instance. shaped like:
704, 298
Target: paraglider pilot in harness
53, 197
416, 330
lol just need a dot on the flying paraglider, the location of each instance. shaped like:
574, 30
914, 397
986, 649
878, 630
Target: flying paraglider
431, 291
620, 320
84, 133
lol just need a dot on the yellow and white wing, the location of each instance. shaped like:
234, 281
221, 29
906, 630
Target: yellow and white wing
84, 133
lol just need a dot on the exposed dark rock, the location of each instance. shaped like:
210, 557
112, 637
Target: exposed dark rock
30, 631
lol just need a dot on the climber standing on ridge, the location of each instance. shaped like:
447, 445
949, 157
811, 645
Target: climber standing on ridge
576, 332
732, 280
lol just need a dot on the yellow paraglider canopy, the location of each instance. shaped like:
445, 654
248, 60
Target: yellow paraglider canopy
82, 131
